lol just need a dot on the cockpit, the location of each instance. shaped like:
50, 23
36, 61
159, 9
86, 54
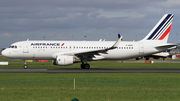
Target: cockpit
13, 46
14, 51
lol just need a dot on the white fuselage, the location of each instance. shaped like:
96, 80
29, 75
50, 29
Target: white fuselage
45, 49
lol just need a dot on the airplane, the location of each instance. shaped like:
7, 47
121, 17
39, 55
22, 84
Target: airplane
68, 52
162, 55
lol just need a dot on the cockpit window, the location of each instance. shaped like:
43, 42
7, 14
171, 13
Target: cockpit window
13, 46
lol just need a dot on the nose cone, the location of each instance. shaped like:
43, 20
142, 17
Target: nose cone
5, 53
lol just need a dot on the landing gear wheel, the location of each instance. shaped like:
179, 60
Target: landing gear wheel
82, 66
85, 66
25, 66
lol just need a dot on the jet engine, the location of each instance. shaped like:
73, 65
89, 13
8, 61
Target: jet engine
63, 60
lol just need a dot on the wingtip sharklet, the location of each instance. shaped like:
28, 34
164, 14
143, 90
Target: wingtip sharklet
117, 43
119, 36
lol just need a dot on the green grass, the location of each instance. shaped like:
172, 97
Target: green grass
90, 86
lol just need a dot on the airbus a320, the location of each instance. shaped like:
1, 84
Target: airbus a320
68, 52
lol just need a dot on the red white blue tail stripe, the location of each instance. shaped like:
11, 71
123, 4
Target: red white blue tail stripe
162, 28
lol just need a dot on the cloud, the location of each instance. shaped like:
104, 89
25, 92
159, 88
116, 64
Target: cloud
170, 4
93, 18
5, 35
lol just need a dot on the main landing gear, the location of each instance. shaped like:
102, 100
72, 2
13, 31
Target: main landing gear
85, 66
25, 64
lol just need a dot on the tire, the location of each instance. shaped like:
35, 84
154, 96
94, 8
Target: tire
25, 66
82, 66
87, 66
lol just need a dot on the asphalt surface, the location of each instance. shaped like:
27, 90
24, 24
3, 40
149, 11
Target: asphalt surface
89, 70
97, 70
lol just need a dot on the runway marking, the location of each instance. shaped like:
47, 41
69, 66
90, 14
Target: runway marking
90, 70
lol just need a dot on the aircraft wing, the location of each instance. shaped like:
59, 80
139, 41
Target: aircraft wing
91, 54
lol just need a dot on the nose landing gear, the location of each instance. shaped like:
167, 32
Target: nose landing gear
25, 64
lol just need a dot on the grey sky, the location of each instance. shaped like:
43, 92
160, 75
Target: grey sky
74, 19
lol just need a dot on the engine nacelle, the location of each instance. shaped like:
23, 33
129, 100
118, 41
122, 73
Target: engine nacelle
63, 60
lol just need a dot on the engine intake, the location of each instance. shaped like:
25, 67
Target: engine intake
63, 60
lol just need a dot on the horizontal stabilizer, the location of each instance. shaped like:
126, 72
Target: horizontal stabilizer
167, 46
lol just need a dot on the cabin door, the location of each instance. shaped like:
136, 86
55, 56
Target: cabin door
141, 48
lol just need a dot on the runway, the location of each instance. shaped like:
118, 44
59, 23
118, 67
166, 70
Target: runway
89, 70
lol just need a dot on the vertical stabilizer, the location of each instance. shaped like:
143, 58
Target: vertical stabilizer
161, 30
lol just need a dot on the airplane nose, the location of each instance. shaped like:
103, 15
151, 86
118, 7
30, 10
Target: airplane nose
4, 53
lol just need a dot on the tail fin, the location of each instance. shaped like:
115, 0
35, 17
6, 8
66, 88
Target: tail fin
161, 29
